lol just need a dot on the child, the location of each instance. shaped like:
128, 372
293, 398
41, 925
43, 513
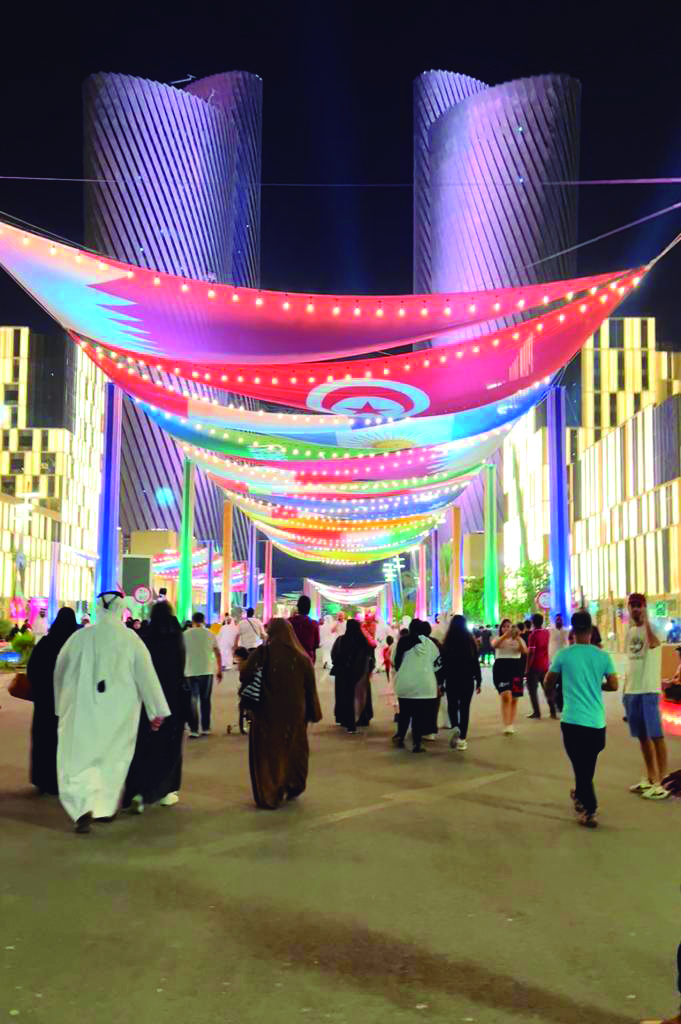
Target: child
240, 657
389, 691
388, 657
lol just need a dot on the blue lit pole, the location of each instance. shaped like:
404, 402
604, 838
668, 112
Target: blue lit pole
210, 589
434, 573
252, 585
53, 596
106, 574
559, 521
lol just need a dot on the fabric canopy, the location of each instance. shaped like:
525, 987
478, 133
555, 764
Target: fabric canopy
160, 316
381, 445
347, 595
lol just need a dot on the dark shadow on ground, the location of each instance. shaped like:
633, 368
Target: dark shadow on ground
400, 972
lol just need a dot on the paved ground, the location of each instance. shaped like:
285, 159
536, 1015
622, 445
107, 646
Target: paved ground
448, 887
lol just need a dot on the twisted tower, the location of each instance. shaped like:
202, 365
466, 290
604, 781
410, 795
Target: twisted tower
177, 188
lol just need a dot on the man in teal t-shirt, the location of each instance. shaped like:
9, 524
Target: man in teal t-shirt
582, 669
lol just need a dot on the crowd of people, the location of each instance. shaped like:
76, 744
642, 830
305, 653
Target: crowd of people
113, 702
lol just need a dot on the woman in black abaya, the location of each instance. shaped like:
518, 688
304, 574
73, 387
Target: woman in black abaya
40, 672
351, 657
156, 769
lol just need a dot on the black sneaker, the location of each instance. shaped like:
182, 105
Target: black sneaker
588, 820
418, 750
533, 715
398, 741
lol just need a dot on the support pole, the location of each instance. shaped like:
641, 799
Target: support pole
421, 601
53, 596
559, 521
252, 585
184, 583
456, 589
267, 589
388, 602
210, 588
106, 574
491, 564
227, 558
434, 573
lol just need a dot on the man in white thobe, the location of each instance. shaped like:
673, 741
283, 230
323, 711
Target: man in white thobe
226, 640
102, 677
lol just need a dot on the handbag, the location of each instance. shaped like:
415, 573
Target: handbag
20, 687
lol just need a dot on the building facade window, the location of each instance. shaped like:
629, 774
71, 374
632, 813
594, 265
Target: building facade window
644, 333
620, 371
25, 440
616, 328
637, 402
8, 485
16, 464
11, 394
645, 374
48, 463
613, 410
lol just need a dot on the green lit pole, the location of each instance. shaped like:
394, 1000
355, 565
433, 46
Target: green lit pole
184, 588
491, 564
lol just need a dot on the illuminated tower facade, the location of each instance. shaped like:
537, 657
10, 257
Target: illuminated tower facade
174, 186
491, 207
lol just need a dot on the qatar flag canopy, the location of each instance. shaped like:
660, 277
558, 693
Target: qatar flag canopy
380, 444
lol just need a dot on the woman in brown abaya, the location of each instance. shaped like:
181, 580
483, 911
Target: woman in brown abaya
278, 749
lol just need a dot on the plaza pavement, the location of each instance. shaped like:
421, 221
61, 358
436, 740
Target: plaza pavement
449, 887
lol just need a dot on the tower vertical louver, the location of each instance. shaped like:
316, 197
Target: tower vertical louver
487, 210
172, 189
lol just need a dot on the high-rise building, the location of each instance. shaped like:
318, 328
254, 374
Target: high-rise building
489, 207
51, 410
623, 449
175, 186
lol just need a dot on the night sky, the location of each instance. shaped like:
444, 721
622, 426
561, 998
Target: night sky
338, 109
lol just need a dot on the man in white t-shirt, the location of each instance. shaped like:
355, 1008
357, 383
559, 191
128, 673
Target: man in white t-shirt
559, 637
642, 699
250, 632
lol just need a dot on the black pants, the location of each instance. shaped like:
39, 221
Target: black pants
535, 679
201, 688
582, 746
417, 711
459, 706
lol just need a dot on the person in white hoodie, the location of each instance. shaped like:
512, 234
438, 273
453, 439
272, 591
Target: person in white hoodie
417, 660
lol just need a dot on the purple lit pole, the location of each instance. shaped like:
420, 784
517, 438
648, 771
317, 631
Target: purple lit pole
106, 575
210, 589
559, 532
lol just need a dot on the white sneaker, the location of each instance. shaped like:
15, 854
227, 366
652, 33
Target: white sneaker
193, 735
169, 800
509, 730
641, 786
137, 805
462, 744
454, 739
205, 732
656, 793
430, 737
